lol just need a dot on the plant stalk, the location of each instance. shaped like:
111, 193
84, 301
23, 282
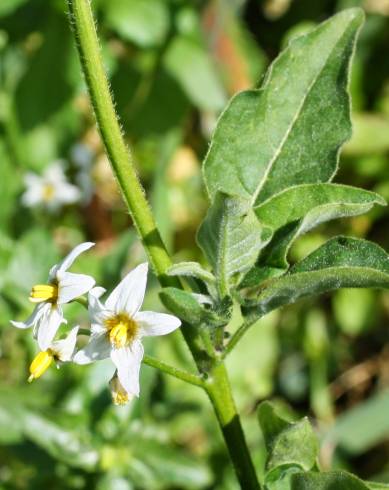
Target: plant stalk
173, 371
218, 388
219, 392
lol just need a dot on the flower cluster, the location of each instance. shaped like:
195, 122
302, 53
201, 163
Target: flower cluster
116, 330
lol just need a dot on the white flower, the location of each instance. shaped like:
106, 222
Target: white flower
62, 288
51, 190
58, 351
118, 327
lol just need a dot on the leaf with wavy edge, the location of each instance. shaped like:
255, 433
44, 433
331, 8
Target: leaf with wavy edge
298, 209
340, 262
290, 131
332, 480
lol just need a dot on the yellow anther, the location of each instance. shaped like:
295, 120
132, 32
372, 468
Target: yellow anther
44, 292
48, 192
119, 394
40, 363
118, 335
121, 330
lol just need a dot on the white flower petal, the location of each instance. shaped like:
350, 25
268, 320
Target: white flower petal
64, 348
97, 291
48, 326
71, 286
128, 361
32, 180
96, 349
97, 311
32, 196
69, 259
151, 323
34, 318
55, 172
128, 295
68, 193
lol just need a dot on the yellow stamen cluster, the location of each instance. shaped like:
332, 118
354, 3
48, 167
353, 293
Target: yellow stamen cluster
48, 192
40, 363
121, 330
119, 394
44, 292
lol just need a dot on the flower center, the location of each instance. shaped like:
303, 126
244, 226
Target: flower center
121, 330
40, 363
48, 192
44, 292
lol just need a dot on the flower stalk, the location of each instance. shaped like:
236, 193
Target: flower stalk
217, 386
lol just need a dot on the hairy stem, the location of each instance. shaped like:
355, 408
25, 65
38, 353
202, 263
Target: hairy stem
173, 371
219, 392
218, 387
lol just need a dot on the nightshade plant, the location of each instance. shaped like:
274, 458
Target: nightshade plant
268, 174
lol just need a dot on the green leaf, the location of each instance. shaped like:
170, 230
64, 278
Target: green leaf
184, 305
334, 480
287, 443
340, 262
189, 63
8, 6
144, 22
280, 478
289, 132
298, 209
191, 269
231, 238
65, 445
43, 93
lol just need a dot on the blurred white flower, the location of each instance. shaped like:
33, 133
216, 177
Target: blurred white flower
62, 288
51, 190
118, 327
58, 351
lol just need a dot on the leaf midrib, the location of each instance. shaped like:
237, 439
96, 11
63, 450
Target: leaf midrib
292, 124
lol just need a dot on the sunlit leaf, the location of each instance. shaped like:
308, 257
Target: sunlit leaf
289, 132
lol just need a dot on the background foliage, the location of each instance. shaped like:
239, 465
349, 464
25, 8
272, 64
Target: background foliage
173, 66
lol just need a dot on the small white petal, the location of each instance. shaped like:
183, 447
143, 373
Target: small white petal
96, 349
71, 286
34, 318
32, 196
128, 361
128, 295
69, 259
67, 193
64, 348
55, 172
97, 291
48, 326
32, 180
152, 324
97, 311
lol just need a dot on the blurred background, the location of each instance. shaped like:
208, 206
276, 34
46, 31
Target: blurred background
173, 65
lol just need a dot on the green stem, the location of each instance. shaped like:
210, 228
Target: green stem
117, 150
119, 156
217, 387
173, 371
219, 392
238, 335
